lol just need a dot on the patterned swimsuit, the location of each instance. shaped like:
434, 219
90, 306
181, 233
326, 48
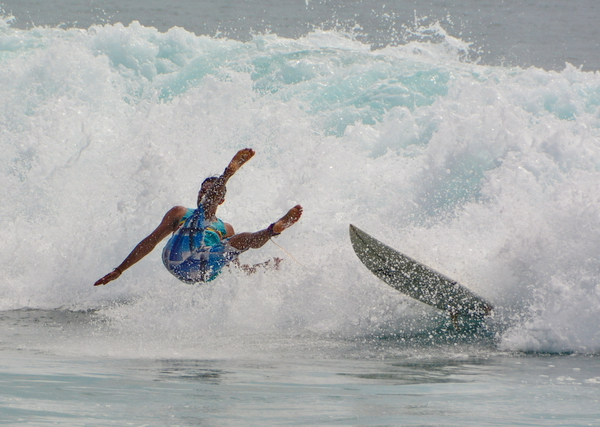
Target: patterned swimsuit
197, 251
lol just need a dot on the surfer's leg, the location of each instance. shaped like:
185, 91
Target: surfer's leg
212, 192
244, 241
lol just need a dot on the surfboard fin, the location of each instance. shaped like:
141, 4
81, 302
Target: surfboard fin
454, 317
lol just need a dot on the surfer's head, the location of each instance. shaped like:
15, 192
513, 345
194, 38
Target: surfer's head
207, 185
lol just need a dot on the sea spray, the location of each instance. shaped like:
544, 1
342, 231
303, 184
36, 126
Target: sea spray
487, 174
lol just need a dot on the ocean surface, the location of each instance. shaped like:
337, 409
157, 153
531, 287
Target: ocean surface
464, 134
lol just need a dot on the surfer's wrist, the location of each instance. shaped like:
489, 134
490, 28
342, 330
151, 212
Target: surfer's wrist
271, 231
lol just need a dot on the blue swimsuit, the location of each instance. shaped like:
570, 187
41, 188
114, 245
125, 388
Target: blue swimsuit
197, 251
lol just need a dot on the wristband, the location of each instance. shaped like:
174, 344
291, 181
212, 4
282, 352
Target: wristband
271, 232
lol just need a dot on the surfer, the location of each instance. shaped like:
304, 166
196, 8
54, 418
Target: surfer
201, 244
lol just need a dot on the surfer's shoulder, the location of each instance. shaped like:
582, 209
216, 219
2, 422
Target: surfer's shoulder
177, 211
174, 215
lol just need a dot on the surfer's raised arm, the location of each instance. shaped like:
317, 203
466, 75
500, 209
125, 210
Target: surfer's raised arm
202, 244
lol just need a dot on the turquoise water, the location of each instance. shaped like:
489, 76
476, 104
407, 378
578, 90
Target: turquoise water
551, 391
279, 379
507, 32
484, 169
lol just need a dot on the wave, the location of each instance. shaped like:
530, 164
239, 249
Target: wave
488, 174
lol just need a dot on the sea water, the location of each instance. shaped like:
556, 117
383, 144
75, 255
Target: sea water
410, 121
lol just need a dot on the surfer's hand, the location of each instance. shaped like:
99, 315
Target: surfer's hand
239, 159
109, 277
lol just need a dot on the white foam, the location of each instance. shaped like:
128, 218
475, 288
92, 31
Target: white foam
487, 174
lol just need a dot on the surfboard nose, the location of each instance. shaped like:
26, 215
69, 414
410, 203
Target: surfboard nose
355, 231
415, 279
354, 235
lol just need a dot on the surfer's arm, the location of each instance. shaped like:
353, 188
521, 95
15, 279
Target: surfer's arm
168, 224
230, 230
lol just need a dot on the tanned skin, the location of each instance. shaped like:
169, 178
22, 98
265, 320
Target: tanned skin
210, 196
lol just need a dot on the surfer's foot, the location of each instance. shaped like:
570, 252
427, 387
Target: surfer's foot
286, 221
239, 159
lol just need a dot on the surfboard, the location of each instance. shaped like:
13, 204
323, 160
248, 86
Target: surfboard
415, 279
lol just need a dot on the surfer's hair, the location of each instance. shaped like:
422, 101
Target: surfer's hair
210, 180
